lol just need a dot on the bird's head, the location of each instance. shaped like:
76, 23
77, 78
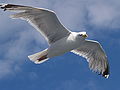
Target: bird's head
82, 34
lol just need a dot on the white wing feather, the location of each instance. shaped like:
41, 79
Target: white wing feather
95, 55
45, 21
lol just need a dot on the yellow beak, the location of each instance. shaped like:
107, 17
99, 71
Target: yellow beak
85, 35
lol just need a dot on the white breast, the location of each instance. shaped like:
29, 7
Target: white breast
64, 45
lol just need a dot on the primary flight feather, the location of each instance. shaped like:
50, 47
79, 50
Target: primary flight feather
60, 39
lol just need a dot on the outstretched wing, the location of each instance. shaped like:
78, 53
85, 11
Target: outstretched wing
45, 21
95, 55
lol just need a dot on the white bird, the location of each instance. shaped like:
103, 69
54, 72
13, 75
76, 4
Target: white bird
60, 39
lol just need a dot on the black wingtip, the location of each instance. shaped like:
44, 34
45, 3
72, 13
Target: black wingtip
5, 6
106, 72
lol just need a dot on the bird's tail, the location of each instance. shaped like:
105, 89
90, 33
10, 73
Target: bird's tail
39, 57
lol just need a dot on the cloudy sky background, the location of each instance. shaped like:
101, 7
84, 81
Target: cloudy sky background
100, 19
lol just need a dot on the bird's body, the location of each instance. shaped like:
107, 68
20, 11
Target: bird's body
65, 44
60, 39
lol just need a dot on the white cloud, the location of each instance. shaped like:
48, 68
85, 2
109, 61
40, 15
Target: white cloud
15, 51
69, 12
103, 14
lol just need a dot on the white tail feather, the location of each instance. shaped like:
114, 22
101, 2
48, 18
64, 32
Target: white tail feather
34, 58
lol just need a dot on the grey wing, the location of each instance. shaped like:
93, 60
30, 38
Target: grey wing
45, 21
95, 55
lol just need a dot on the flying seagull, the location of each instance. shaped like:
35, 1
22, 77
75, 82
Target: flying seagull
60, 39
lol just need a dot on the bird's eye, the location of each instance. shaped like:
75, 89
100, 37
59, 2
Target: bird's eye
80, 34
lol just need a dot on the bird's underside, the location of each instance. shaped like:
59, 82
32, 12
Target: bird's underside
47, 23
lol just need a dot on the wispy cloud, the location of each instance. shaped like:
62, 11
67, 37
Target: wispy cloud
78, 85
104, 14
5, 68
15, 50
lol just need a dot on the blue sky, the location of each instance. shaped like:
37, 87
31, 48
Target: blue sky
100, 19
